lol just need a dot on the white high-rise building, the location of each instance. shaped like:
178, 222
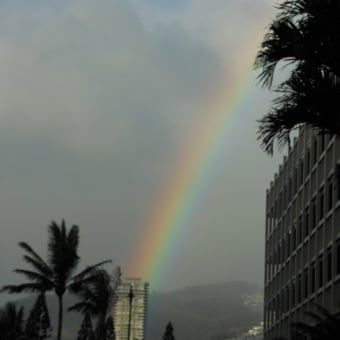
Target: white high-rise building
138, 312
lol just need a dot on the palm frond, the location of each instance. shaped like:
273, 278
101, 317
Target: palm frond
25, 287
292, 8
82, 307
62, 258
11, 321
279, 44
34, 259
83, 275
37, 278
73, 238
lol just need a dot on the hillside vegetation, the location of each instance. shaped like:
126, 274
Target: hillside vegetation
207, 312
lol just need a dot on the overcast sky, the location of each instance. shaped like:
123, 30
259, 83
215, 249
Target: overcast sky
97, 98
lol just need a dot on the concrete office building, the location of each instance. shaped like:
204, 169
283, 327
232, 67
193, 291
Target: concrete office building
302, 253
139, 304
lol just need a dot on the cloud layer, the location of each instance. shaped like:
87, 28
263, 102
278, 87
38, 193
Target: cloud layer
96, 99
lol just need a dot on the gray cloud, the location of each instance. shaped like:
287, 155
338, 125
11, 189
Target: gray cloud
96, 98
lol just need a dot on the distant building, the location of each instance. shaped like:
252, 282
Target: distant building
138, 309
255, 333
302, 253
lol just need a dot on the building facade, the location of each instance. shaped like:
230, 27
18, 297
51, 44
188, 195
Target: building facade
138, 311
302, 252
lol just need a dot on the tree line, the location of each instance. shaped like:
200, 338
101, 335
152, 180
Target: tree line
93, 286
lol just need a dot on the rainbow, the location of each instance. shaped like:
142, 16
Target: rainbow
193, 173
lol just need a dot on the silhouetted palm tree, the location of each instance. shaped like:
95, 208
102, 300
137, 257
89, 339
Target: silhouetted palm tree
97, 295
305, 35
86, 329
11, 322
38, 324
58, 272
323, 326
169, 332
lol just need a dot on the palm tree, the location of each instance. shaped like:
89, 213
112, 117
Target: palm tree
323, 326
169, 332
11, 322
97, 296
86, 329
305, 35
38, 324
58, 272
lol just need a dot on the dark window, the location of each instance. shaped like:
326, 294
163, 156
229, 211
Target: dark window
285, 195
314, 213
299, 292
279, 254
295, 181
272, 219
301, 172
321, 204
293, 293
323, 142
280, 204
299, 231
288, 242
294, 237
307, 163
306, 231
278, 301
287, 298
330, 194
305, 279
315, 150
290, 189
320, 271
329, 264
338, 258
338, 181
312, 278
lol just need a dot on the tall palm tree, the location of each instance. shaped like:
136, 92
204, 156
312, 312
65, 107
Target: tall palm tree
323, 326
169, 332
38, 324
305, 35
86, 329
97, 296
11, 322
58, 272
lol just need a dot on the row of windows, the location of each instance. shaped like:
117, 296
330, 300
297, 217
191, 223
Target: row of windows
320, 204
294, 181
312, 278
299, 231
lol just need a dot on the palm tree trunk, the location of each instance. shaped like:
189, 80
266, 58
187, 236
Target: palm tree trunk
60, 317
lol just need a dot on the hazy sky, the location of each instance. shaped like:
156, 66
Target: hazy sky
97, 99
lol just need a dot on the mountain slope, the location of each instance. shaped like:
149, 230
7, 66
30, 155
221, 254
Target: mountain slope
209, 312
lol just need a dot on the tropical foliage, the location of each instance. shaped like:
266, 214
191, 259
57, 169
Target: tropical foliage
169, 332
304, 35
86, 329
322, 325
11, 322
97, 296
58, 272
38, 325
